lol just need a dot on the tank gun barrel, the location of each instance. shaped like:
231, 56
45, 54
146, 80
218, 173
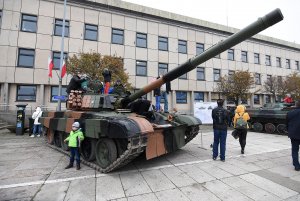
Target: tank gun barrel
261, 24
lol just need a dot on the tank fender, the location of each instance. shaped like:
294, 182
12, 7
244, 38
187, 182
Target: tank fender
186, 119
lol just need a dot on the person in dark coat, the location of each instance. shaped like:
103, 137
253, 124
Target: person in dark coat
107, 78
219, 116
75, 82
293, 128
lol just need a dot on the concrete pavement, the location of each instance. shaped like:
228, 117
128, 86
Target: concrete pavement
29, 170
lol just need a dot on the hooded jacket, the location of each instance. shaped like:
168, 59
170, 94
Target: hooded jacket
73, 138
241, 111
36, 115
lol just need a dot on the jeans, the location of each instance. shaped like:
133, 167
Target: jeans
219, 137
75, 152
165, 95
157, 103
37, 129
295, 152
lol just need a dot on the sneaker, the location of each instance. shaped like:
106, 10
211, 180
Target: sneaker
223, 160
32, 135
214, 158
39, 135
242, 151
69, 166
297, 168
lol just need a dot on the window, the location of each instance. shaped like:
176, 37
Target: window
59, 26
231, 75
244, 101
29, 23
141, 40
26, 93
56, 59
141, 68
184, 76
181, 97
268, 60
230, 100
231, 54
257, 78
256, 58
162, 43
0, 19
278, 62
162, 68
244, 56
268, 98
288, 63
256, 99
199, 48
200, 73
90, 32
117, 36
269, 77
297, 65
198, 96
182, 46
217, 74
54, 92
26, 57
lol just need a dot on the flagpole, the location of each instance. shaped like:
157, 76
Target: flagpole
61, 57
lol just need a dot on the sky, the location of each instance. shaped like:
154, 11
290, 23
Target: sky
236, 13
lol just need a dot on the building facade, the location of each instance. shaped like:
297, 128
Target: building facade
150, 42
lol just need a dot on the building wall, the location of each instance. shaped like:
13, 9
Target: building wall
44, 42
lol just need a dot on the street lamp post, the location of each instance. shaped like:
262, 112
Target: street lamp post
61, 57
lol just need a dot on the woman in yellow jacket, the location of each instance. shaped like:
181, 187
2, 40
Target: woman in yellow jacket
74, 139
241, 111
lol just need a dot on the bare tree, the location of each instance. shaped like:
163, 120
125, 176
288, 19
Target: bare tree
272, 86
236, 86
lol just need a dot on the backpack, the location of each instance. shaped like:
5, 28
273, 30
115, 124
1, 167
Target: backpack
241, 123
220, 117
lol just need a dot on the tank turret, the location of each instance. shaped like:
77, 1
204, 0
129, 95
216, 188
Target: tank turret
117, 130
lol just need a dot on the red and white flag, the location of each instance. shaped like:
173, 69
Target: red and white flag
50, 66
63, 69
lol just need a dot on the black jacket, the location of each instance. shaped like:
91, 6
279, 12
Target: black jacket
157, 92
168, 87
75, 83
215, 117
293, 125
107, 76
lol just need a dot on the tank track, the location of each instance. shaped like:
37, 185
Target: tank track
191, 133
135, 147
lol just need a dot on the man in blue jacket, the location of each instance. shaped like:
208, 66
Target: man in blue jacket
293, 128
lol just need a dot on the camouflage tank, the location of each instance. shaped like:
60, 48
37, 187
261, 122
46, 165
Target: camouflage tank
117, 129
270, 118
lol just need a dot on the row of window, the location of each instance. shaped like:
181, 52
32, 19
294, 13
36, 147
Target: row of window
29, 24
26, 59
28, 93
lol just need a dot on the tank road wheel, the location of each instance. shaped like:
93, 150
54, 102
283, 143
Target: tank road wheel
270, 128
88, 149
63, 136
106, 152
57, 139
257, 127
49, 135
121, 146
281, 129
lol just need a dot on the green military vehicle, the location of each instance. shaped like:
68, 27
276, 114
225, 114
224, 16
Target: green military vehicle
117, 129
270, 118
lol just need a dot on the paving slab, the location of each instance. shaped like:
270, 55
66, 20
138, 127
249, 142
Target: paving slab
197, 192
53, 192
109, 187
178, 177
157, 181
172, 194
83, 189
134, 184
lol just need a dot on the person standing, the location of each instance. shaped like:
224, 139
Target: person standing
107, 79
75, 82
165, 89
240, 112
37, 125
219, 116
293, 128
74, 139
157, 94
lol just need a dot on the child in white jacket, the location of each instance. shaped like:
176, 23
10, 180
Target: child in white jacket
37, 125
